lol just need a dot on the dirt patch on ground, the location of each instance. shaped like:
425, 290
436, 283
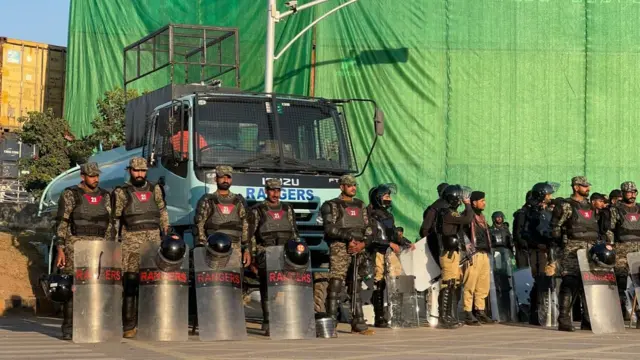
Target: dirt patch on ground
21, 264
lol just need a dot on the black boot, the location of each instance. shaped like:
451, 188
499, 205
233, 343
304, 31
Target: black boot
456, 295
333, 298
637, 319
533, 303
378, 305
130, 305
358, 324
445, 304
67, 320
469, 319
565, 297
483, 318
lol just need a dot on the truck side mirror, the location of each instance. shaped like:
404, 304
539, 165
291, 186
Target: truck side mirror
378, 122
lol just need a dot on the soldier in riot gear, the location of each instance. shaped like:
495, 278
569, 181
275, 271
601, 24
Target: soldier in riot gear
224, 211
624, 234
449, 230
140, 215
385, 235
84, 214
537, 233
429, 220
273, 224
347, 230
522, 250
575, 218
499, 230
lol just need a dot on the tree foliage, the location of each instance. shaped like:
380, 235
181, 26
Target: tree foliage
108, 125
56, 149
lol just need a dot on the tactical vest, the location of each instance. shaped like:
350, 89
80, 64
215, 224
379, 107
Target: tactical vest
583, 224
498, 237
387, 225
142, 212
274, 227
629, 228
225, 217
90, 216
351, 217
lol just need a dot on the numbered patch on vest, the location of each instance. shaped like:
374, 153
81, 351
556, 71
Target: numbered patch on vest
93, 200
632, 217
353, 212
276, 215
143, 196
587, 214
226, 209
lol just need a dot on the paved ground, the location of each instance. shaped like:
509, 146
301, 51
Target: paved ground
38, 338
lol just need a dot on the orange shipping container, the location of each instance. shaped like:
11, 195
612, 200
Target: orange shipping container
32, 78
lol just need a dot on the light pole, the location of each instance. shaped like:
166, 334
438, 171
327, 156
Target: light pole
274, 16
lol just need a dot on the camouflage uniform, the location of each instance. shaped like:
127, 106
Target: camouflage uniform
566, 221
269, 217
624, 235
205, 210
70, 225
336, 212
140, 214
131, 240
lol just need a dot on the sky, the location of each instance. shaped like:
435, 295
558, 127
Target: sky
45, 21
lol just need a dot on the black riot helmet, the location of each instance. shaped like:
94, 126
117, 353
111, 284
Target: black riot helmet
452, 194
441, 188
219, 244
57, 287
377, 193
173, 248
296, 255
497, 214
602, 255
540, 190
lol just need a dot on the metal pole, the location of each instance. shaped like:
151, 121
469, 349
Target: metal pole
272, 14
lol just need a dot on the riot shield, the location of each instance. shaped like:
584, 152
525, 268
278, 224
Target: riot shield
633, 259
505, 292
97, 299
493, 296
548, 300
402, 298
603, 301
219, 296
433, 306
290, 295
523, 283
163, 307
421, 264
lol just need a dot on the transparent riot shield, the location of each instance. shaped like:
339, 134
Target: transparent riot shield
402, 297
433, 306
97, 299
163, 307
493, 297
219, 296
633, 260
505, 290
290, 299
603, 301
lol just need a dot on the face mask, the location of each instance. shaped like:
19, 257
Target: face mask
386, 203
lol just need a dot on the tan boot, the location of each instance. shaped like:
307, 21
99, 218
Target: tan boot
130, 333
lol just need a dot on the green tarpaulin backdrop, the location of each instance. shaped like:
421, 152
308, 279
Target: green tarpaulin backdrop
493, 94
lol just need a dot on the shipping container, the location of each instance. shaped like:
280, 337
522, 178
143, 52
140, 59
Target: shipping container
12, 149
32, 78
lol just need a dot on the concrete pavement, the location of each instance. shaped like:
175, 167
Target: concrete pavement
38, 338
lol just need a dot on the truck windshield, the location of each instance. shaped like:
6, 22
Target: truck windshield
242, 131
